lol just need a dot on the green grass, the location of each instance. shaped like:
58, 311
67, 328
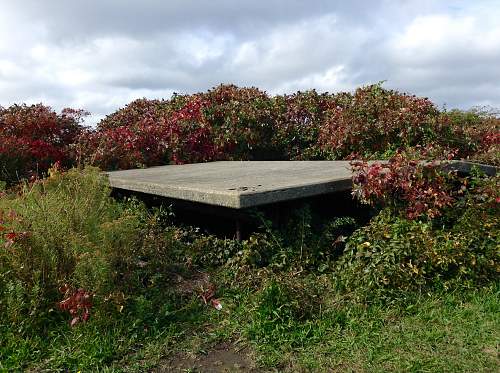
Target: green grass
448, 332
434, 333
284, 303
439, 332
101, 342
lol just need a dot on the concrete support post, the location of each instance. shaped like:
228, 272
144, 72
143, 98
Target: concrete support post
238, 229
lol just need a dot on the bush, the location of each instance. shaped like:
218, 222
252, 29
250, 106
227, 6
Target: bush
404, 183
65, 233
376, 121
299, 117
242, 122
305, 242
394, 255
129, 138
225, 123
474, 134
233, 123
35, 137
122, 148
210, 251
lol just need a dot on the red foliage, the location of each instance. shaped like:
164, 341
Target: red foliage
376, 120
77, 302
474, 134
123, 147
235, 123
34, 137
491, 138
299, 119
208, 297
225, 123
9, 234
151, 135
242, 122
232, 123
420, 189
188, 134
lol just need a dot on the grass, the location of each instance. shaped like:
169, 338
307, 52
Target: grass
284, 309
99, 343
448, 332
440, 332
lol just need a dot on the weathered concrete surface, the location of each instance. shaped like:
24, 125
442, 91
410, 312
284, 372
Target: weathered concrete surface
241, 184
237, 184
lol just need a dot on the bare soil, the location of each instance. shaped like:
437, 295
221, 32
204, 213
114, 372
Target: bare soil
223, 357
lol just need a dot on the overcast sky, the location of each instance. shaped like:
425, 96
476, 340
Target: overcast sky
101, 54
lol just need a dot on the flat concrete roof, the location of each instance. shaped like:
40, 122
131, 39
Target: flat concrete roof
237, 184
242, 184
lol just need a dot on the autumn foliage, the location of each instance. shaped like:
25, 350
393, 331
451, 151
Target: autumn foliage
420, 189
32, 138
77, 302
374, 121
233, 123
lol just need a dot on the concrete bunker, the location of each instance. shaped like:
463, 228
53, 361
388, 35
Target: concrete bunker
223, 196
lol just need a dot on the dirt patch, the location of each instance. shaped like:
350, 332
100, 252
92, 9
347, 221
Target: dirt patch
493, 352
223, 357
195, 282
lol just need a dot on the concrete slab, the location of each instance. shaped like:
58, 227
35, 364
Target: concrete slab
239, 185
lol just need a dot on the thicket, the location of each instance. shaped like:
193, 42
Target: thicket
65, 243
72, 255
32, 138
232, 123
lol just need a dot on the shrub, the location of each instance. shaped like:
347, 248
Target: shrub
225, 123
304, 241
34, 137
259, 250
131, 115
65, 231
310, 241
393, 255
404, 183
149, 133
376, 121
242, 121
122, 148
210, 251
129, 138
190, 134
475, 134
233, 123
299, 117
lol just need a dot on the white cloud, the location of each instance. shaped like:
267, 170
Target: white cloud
101, 55
441, 37
453, 59
333, 77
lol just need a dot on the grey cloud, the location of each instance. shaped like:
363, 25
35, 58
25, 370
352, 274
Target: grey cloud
146, 17
100, 55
